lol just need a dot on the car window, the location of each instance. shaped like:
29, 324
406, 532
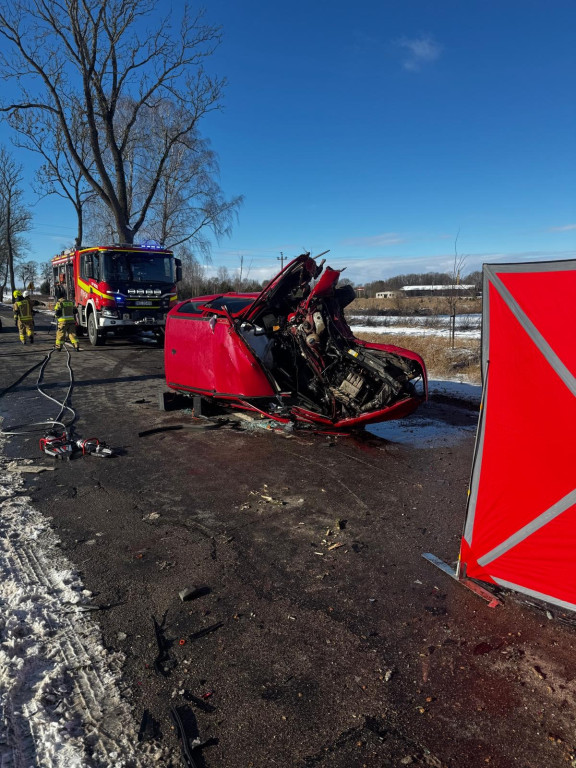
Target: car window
190, 308
232, 303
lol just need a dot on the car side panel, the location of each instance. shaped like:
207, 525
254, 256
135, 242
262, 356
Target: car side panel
205, 354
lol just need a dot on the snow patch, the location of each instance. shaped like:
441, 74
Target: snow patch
60, 702
421, 432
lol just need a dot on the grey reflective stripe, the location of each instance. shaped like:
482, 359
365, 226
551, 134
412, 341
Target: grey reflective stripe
556, 509
485, 333
531, 266
487, 274
533, 593
476, 468
556, 364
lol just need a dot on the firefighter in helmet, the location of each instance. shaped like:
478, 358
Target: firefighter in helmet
64, 311
23, 315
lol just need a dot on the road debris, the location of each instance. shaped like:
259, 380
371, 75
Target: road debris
149, 728
164, 662
191, 593
187, 744
13, 466
206, 631
200, 703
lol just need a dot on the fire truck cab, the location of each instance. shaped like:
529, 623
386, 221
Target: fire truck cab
118, 289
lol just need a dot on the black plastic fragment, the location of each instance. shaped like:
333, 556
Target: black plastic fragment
206, 631
178, 714
200, 703
191, 593
149, 728
164, 662
168, 428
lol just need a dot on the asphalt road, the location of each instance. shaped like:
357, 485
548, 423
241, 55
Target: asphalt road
333, 642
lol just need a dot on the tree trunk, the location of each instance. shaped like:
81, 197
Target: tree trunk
80, 232
10, 254
125, 233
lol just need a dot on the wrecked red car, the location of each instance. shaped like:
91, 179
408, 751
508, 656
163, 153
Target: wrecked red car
289, 354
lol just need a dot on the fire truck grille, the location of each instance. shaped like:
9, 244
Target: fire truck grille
142, 314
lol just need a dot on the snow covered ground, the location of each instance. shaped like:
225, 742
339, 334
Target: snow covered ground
421, 432
60, 699
467, 326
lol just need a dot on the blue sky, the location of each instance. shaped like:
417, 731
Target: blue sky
384, 130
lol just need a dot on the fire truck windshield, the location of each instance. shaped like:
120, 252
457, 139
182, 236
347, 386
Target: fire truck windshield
128, 266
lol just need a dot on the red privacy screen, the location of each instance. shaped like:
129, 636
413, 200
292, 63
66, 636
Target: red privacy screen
520, 527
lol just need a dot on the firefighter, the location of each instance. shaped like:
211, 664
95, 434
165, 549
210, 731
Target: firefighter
23, 315
64, 311
33, 302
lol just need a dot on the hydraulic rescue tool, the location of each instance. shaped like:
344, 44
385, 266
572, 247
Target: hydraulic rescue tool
58, 446
61, 446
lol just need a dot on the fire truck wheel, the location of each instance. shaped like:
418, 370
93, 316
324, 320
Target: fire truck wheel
95, 338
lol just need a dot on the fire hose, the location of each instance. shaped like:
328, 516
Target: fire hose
57, 440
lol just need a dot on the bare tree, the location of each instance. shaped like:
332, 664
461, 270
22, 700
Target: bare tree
58, 175
242, 276
15, 218
454, 293
189, 201
194, 273
92, 60
27, 271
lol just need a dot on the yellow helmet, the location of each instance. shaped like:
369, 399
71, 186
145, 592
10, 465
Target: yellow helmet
17, 294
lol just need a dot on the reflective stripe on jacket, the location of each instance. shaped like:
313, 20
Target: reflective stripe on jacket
66, 308
23, 309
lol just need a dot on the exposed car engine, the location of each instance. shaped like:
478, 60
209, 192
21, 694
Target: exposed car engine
312, 353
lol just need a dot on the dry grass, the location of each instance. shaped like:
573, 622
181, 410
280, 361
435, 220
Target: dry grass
441, 360
407, 305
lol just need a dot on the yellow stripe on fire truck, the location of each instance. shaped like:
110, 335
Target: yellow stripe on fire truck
90, 289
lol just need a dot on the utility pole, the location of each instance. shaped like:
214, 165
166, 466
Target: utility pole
281, 260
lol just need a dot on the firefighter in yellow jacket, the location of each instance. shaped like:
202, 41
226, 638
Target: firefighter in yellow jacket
64, 311
23, 314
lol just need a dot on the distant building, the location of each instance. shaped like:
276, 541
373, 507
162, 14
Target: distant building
386, 294
438, 290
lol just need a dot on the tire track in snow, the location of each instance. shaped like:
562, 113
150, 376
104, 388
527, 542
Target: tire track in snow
60, 704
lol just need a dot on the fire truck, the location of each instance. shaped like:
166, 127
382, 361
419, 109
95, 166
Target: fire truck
118, 289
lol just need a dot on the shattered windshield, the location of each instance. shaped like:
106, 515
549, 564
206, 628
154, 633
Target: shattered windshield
128, 266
